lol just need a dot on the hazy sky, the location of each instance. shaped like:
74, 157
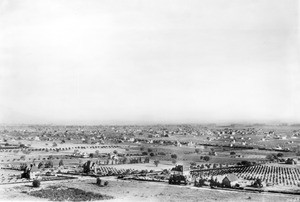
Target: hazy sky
149, 61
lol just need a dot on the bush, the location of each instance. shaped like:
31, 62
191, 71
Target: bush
206, 158
246, 163
41, 164
61, 163
98, 181
280, 154
105, 183
36, 183
173, 156
49, 164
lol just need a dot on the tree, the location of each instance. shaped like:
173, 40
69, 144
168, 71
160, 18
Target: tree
206, 158
246, 163
87, 166
41, 165
23, 166
61, 162
280, 155
97, 153
156, 162
197, 151
232, 153
124, 161
147, 160
174, 161
270, 157
36, 183
257, 183
115, 152
290, 161
151, 154
98, 181
150, 150
49, 164
144, 153
54, 144
173, 156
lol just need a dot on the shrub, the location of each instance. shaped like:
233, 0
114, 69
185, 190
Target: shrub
105, 183
98, 181
156, 162
246, 163
61, 163
41, 164
173, 156
206, 158
280, 154
36, 183
49, 164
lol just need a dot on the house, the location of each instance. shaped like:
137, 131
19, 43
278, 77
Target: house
131, 139
177, 144
230, 180
33, 172
191, 144
212, 153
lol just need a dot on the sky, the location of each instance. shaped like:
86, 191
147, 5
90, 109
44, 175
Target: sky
149, 61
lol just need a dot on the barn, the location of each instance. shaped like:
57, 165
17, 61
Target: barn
230, 180
33, 171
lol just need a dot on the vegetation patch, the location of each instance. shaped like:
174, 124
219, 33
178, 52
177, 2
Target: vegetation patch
58, 193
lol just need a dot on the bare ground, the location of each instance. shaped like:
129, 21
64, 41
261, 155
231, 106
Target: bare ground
143, 191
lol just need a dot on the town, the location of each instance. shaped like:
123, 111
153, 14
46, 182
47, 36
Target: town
238, 158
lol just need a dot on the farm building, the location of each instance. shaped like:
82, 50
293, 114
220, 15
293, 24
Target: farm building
230, 180
34, 171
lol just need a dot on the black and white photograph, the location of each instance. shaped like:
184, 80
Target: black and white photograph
150, 100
